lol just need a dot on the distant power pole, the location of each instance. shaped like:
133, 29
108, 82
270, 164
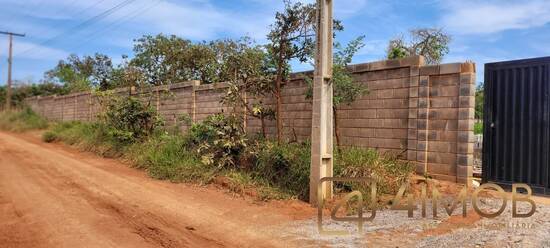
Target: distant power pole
8, 88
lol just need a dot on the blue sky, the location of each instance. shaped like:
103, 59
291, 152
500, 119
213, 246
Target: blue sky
482, 30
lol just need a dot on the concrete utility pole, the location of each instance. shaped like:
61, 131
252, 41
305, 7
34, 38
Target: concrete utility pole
8, 88
322, 121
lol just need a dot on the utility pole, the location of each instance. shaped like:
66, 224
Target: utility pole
10, 59
322, 121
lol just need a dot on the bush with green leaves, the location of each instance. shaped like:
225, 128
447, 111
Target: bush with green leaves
94, 137
219, 140
49, 137
285, 166
387, 170
478, 128
165, 157
128, 119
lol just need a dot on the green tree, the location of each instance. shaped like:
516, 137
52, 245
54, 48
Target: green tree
246, 67
202, 62
292, 36
163, 60
81, 74
159, 59
101, 71
397, 49
479, 101
345, 89
432, 43
22, 90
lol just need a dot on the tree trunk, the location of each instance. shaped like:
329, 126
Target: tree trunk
279, 81
158, 100
336, 128
264, 133
279, 109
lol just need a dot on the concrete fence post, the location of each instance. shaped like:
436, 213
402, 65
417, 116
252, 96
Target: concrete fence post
75, 113
412, 130
465, 135
90, 107
62, 108
194, 101
423, 123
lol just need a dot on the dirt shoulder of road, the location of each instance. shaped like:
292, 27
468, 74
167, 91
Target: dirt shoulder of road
55, 195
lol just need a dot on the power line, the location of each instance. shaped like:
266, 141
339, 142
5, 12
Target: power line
66, 7
82, 25
36, 8
82, 11
89, 7
130, 16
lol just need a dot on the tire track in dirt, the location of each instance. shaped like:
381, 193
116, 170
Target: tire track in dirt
52, 198
147, 225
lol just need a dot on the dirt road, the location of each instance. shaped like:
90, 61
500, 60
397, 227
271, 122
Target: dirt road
52, 196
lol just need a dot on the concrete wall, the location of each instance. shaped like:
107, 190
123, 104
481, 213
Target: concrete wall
423, 113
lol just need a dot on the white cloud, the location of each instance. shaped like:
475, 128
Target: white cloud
348, 8
374, 47
475, 17
28, 50
203, 21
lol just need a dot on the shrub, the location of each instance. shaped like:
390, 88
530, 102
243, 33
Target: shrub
285, 166
165, 157
128, 119
478, 128
22, 120
219, 140
387, 170
49, 137
94, 137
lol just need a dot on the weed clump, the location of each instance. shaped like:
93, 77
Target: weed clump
22, 120
387, 170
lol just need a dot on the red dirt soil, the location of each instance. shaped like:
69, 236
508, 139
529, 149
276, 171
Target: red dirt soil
55, 196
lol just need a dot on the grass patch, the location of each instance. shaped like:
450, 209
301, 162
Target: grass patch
478, 128
283, 166
165, 157
93, 137
262, 168
387, 170
21, 120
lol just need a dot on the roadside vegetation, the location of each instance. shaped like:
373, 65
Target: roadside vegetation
21, 120
217, 151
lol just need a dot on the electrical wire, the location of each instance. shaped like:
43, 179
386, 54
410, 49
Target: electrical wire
116, 24
80, 13
80, 26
